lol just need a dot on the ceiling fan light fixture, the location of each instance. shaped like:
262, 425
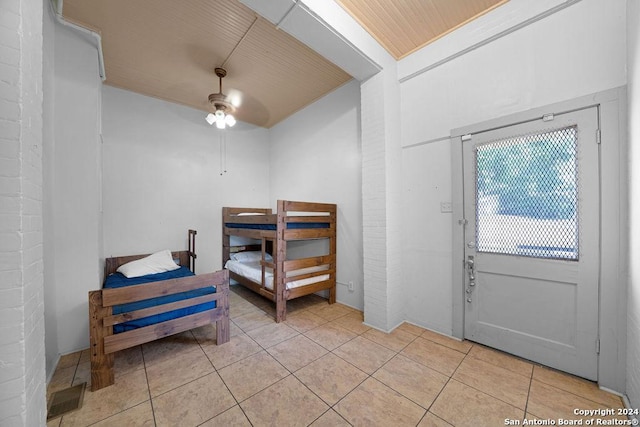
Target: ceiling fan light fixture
222, 116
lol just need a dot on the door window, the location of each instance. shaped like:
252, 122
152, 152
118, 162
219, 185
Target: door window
526, 195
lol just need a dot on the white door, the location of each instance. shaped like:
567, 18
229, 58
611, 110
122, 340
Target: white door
531, 202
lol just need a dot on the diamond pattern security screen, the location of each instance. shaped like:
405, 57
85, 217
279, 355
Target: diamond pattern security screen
526, 190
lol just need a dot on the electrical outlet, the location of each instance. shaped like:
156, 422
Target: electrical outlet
445, 207
350, 286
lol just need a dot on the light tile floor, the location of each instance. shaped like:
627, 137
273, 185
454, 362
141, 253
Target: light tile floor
321, 367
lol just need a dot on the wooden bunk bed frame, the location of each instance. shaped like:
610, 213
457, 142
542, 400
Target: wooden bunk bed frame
275, 241
104, 343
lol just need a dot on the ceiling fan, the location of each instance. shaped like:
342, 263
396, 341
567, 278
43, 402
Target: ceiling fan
223, 107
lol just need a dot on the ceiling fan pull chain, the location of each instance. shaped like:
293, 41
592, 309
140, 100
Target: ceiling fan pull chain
225, 151
222, 140
220, 143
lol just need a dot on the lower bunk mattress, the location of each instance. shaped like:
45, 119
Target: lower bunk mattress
253, 271
118, 280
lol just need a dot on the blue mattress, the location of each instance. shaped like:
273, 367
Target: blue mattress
290, 226
118, 280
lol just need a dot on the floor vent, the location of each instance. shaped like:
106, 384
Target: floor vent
65, 401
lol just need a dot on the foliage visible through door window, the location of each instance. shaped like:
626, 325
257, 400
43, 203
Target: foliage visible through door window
527, 195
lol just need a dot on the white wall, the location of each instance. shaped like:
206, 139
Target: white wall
162, 175
315, 156
22, 353
48, 129
576, 51
75, 190
633, 308
427, 235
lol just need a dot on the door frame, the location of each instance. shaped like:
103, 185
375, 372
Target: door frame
612, 117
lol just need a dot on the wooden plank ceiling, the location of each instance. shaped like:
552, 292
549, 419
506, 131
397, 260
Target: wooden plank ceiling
404, 26
168, 49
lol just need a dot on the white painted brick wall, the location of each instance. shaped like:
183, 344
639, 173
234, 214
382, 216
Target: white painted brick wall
22, 376
396, 291
374, 202
381, 200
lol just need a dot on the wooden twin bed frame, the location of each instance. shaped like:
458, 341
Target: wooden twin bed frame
103, 343
275, 240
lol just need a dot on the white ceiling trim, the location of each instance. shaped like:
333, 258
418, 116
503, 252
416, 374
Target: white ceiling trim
502, 21
303, 23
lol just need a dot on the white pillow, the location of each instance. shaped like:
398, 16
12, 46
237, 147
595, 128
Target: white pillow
250, 256
158, 262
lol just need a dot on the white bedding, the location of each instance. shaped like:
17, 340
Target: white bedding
253, 272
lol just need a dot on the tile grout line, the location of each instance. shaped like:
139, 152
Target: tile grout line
484, 392
215, 370
146, 376
73, 378
526, 405
332, 406
450, 377
396, 353
370, 376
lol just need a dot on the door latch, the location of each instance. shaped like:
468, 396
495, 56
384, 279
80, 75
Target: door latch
471, 271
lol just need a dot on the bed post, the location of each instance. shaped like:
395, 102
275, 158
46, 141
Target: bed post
223, 329
333, 250
226, 240
101, 363
280, 286
192, 250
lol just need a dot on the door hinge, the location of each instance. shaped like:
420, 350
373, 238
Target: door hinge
462, 221
547, 117
598, 136
598, 346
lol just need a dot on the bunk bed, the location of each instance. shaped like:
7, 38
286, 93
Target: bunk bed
129, 311
263, 266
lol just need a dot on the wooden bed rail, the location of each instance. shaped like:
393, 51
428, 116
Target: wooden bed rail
229, 211
292, 206
115, 296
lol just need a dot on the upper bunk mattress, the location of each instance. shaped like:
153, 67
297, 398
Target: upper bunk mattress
118, 280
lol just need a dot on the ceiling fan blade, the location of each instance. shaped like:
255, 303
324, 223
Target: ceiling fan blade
234, 96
